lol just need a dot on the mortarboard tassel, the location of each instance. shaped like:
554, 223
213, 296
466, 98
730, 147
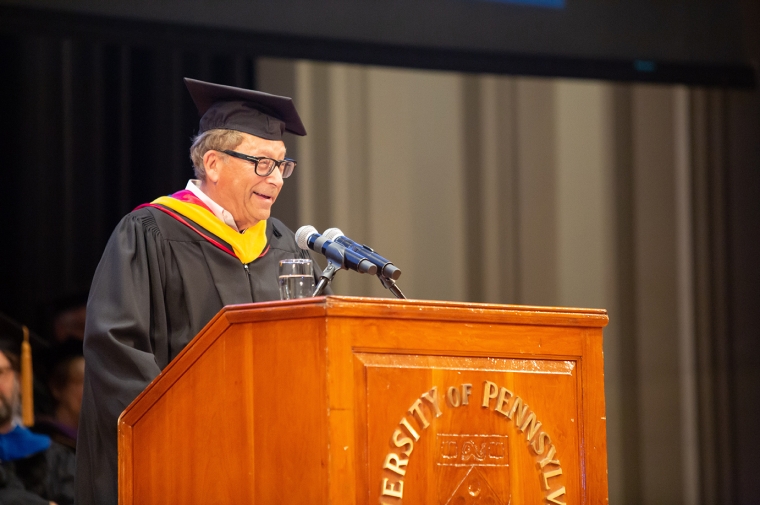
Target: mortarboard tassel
27, 385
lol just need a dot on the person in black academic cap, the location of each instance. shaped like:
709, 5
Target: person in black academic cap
33, 469
171, 265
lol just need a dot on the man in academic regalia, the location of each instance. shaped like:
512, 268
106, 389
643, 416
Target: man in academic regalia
171, 265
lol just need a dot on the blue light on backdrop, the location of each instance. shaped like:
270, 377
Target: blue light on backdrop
554, 4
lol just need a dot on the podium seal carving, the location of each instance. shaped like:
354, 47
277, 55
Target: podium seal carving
472, 468
467, 465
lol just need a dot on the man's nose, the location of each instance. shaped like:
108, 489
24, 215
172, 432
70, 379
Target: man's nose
276, 177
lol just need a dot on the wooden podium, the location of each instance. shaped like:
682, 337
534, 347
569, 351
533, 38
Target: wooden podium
358, 400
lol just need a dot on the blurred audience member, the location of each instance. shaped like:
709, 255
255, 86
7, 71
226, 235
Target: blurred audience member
66, 382
30, 463
62, 322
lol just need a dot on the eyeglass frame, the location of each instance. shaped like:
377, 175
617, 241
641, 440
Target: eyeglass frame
255, 160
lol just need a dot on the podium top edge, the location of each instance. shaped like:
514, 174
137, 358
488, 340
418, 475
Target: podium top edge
355, 307
349, 306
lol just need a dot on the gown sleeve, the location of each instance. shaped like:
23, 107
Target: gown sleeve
12, 490
123, 311
61, 465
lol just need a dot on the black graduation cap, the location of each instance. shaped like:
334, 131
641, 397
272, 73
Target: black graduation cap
229, 108
16, 338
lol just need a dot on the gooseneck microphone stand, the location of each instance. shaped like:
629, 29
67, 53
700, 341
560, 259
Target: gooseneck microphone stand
332, 268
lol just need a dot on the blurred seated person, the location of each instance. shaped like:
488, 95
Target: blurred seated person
30, 463
62, 327
66, 382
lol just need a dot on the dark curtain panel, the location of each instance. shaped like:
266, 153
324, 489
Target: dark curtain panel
95, 120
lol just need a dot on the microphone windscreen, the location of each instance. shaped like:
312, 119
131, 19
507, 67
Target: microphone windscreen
333, 233
302, 235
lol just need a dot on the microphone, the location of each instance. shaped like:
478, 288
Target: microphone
385, 267
306, 234
307, 237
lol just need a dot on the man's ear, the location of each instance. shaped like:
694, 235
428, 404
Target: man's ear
212, 163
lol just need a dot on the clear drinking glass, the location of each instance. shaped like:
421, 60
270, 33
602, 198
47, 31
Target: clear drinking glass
296, 279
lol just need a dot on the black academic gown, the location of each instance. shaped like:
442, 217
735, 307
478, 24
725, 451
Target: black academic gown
48, 474
157, 285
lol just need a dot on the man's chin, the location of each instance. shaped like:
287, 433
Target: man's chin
260, 215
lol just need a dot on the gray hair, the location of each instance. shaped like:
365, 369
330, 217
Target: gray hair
216, 140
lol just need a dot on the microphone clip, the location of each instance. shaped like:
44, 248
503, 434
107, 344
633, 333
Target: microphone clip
391, 286
326, 278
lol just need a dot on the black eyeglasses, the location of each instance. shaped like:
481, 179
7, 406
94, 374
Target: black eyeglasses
264, 166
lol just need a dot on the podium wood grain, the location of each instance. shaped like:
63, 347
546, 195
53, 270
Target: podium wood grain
300, 401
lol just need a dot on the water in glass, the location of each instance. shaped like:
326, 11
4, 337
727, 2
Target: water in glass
296, 286
296, 278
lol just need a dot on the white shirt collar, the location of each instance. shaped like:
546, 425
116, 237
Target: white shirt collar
194, 186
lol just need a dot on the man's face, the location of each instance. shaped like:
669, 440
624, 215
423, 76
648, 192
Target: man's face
9, 391
248, 196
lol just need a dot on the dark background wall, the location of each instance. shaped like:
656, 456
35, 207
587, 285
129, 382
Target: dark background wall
742, 239
677, 30
95, 121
